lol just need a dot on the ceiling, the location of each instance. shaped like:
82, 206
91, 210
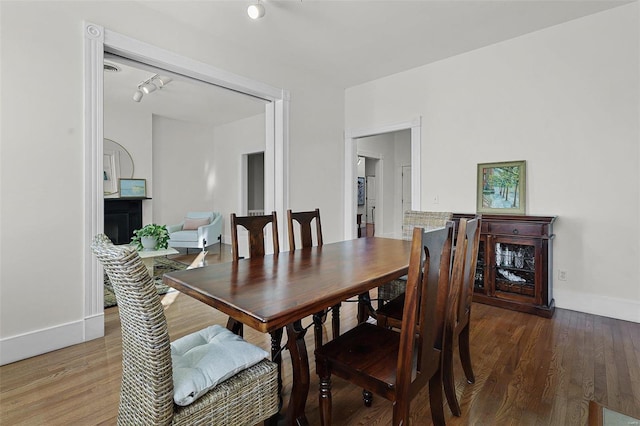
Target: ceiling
343, 42
182, 99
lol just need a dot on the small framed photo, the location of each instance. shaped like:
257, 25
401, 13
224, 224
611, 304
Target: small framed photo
501, 187
133, 188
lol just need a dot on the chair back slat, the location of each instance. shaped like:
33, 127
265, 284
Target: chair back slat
463, 269
304, 219
146, 395
424, 308
255, 226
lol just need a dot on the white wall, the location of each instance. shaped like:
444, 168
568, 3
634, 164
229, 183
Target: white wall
183, 169
132, 128
42, 158
565, 99
232, 141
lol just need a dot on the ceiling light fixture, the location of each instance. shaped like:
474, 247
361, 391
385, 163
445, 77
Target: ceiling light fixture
137, 95
255, 11
150, 85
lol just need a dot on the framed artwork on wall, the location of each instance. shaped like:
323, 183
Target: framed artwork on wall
133, 188
501, 187
360, 191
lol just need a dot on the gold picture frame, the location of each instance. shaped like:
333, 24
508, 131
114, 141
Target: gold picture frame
501, 187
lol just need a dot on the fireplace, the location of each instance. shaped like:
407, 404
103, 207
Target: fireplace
121, 217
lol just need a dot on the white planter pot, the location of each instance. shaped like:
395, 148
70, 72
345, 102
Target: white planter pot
149, 243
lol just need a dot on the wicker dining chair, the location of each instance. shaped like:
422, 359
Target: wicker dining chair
147, 391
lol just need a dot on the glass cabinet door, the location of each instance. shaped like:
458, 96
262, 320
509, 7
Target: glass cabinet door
514, 268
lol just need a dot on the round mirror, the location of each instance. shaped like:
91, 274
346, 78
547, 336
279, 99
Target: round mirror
117, 164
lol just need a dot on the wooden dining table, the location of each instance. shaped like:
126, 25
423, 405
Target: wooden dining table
275, 291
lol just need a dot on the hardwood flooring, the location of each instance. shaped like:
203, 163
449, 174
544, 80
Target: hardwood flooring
529, 371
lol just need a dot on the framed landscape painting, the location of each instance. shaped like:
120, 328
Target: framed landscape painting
501, 187
133, 188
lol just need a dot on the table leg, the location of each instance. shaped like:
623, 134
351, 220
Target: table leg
148, 262
365, 308
335, 320
300, 365
317, 327
276, 356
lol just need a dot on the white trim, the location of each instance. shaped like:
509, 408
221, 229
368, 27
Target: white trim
34, 343
93, 136
351, 168
416, 165
611, 307
97, 41
281, 172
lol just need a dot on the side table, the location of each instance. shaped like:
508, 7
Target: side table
148, 255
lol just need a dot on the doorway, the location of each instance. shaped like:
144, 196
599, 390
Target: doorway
384, 156
255, 184
351, 173
99, 40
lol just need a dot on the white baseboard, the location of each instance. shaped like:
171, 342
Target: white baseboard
27, 345
623, 309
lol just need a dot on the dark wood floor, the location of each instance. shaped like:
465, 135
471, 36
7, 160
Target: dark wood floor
529, 371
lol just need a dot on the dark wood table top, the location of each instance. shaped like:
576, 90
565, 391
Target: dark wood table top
270, 292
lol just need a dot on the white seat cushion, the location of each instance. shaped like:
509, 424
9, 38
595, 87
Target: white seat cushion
203, 359
184, 236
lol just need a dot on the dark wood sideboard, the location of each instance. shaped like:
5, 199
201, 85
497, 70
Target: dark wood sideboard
514, 268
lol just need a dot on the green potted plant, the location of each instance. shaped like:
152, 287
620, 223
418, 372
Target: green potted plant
151, 237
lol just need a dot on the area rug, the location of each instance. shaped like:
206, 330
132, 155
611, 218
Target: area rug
161, 266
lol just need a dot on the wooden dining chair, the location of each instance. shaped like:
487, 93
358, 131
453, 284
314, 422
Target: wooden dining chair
463, 273
230, 381
389, 314
397, 365
426, 220
256, 225
304, 220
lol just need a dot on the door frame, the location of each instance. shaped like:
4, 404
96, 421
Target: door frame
351, 168
97, 40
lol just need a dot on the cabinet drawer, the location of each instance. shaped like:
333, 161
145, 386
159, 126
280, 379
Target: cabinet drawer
519, 229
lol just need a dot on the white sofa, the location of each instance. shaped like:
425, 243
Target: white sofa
204, 235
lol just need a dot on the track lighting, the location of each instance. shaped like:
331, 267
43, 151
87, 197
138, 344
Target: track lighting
150, 85
137, 95
161, 80
255, 11
148, 88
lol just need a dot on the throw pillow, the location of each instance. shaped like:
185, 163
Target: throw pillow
192, 224
203, 359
